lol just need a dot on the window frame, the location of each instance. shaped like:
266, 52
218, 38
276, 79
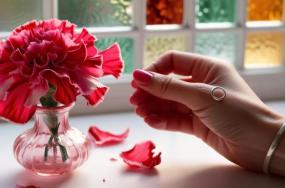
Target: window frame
267, 83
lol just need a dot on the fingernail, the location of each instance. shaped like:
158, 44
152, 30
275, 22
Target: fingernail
134, 85
143, 77
132, 100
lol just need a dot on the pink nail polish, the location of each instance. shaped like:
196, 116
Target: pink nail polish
142, 77
134, 85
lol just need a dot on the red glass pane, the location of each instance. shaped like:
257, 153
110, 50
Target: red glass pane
164, 12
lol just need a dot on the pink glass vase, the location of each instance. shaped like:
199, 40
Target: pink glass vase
51, 147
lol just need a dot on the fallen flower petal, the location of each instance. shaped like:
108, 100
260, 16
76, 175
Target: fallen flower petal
141, 155
106, 138
28, 186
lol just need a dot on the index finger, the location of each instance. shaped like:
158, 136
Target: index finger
181, 63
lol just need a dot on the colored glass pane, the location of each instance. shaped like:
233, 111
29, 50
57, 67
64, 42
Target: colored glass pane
96, 13
215, 11
164, 12
264, 50
156, 46
218, 45
265, 10
17, 12
127, 49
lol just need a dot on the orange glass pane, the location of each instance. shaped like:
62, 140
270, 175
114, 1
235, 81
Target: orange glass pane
265, 10
164, 12
264, 50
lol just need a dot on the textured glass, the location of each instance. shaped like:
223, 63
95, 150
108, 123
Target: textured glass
52, 146
17, 12
156, 46
215, 11
264, 50
127, 49
164, 12
218, 45
265, 10
96, 13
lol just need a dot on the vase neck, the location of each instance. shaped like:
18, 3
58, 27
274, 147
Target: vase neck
47, 119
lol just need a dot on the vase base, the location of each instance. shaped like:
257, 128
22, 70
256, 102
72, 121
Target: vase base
48, 174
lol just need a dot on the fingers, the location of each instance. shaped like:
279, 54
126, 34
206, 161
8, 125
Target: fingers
170, 122
161, 106
169, 88
180, 63
140, 97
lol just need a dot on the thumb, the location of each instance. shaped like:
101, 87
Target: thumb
193, 95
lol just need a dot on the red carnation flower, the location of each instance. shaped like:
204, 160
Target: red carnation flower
41, 54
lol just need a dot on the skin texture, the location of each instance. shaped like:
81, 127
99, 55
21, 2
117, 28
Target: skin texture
240, 127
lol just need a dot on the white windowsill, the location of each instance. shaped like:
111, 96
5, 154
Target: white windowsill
186, 161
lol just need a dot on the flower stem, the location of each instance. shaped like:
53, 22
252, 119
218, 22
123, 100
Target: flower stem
53, 124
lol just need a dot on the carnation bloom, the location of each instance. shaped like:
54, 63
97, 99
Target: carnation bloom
43, 53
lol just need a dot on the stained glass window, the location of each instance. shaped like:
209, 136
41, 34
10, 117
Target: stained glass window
217, 44
264, 49
156, 46
164, 12
16, 12
127, 49
96, 13
265, 10
215, 11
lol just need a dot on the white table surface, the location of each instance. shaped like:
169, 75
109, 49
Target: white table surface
186, 161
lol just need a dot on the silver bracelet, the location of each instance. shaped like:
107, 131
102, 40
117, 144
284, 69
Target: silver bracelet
272, 149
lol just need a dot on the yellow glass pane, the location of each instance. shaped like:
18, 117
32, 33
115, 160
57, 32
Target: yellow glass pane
157, 45
265, 10
264, 50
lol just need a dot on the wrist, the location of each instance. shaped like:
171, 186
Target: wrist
268, 132
260, 137
277, 163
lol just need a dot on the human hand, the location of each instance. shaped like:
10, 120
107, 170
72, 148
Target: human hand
241, 127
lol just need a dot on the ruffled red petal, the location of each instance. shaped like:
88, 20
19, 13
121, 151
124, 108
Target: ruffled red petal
38, 89
141, 156
13, 108
106, 138
66, 91
75, 56
97, 95
93, 67
112, 61
89, 40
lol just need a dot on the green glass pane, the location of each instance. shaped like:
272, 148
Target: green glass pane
157, 45
17, 12
127, 49
211, 11
218, 45
96, 13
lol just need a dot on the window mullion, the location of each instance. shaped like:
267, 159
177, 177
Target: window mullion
139, 26
189, 23
47, 9
241, 18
